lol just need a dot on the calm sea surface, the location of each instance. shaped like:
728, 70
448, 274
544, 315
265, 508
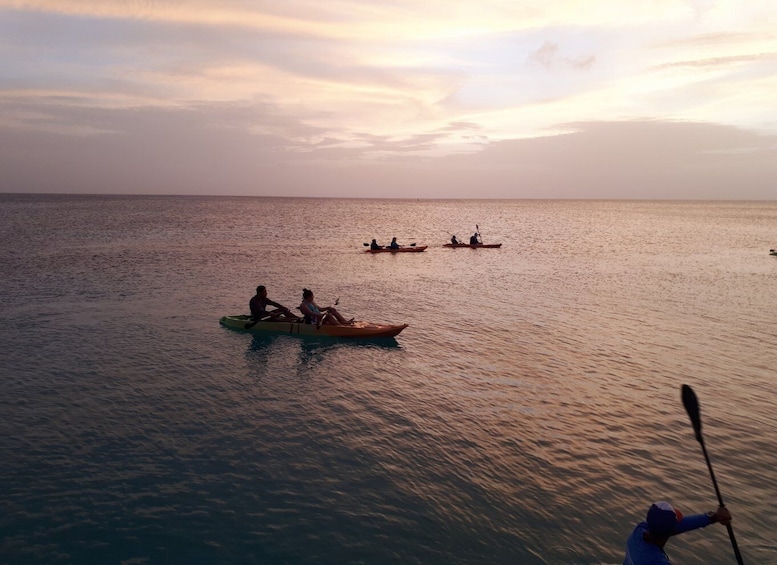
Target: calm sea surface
529, 414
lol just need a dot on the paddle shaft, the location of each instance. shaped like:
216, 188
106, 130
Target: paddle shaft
250, 325
720, 501
692, 407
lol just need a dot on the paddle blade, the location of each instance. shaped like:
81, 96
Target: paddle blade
366, 244
691, 404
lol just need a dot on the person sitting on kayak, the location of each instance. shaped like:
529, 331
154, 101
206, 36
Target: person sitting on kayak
394, 244
315, 315
259, 303
474, 239
454, 241
374, 245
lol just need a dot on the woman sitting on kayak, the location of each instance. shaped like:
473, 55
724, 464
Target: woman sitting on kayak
315, 315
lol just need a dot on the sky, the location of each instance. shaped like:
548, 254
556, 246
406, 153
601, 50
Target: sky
659, 99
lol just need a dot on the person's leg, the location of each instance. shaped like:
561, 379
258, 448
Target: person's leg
332, 317
340, 317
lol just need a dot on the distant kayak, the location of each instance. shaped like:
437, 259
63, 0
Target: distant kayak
474, 245
400, 250
355, 329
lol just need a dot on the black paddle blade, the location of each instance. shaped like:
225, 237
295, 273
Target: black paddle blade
691, 404
366, 244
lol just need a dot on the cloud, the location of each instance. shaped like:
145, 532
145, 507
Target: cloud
141, 93
261, 150
548, 56
715, 62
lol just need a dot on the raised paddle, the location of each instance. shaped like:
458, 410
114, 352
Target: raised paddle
691, 404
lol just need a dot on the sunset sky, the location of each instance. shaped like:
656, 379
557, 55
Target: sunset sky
390, 98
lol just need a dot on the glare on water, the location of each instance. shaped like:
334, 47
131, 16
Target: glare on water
529, 414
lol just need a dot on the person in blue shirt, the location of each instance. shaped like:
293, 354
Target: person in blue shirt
316, 315
645, 545
394, 244
374, 245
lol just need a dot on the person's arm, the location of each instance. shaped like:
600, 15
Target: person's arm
696, 521
282, 307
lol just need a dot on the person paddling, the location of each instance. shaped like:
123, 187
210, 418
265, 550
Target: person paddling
374, 245
645, 545
474, 239
393, 244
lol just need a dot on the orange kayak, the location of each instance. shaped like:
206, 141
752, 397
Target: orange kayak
355, 329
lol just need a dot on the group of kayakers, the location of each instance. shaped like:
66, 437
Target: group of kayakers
474, 239
312, 313
393, 245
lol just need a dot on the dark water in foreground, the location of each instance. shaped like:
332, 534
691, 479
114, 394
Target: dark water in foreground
529, 414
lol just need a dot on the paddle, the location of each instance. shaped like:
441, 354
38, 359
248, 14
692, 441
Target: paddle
250, 325
691, 404
268, 318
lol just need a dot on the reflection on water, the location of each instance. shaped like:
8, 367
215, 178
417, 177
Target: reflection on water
314, 345
526, 415
291, 354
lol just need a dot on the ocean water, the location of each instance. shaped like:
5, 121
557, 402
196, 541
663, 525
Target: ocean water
530, 413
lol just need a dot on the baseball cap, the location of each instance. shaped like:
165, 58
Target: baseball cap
662, 518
